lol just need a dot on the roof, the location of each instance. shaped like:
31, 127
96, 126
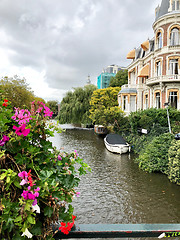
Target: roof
115, 139
128, 90
163, 9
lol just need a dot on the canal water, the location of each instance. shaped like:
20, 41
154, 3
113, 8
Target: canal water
117, 191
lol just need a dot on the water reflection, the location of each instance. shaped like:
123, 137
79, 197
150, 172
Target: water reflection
117, 191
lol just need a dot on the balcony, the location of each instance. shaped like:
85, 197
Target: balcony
126, 86
163, 79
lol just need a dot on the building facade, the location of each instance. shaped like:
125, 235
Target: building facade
154, 73
103, 80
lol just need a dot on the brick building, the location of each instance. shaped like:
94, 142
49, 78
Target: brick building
154, 73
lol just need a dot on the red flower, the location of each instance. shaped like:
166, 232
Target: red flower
30, 179
66, 228
5, 103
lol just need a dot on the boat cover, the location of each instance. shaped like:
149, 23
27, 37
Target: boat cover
115, 139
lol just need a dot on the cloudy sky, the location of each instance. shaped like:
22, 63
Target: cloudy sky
56, 44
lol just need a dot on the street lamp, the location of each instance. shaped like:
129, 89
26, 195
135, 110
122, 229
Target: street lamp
166, 106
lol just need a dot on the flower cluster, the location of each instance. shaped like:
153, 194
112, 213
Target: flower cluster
4, 140
27, 194
66, 227
22, 116
42, 108
5, 103
33, 175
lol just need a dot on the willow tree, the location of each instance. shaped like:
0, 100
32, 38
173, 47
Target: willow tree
74, 107
104, 106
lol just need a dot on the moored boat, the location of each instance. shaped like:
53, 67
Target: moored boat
100, 130
116, 144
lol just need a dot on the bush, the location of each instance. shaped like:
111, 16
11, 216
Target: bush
150, 117
154, 158
37, 181
174, 162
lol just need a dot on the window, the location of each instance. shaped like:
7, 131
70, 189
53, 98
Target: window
173, 99
175, 5
174, 38
158, 68
146, 101
125, 103
133, 78
173, 66
159, 40
158, 102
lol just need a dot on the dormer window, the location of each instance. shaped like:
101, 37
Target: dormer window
174, 37
175, 5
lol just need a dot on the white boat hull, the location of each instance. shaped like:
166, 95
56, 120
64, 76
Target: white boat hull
117, 148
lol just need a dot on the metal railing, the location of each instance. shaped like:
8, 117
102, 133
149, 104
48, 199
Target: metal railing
120, 231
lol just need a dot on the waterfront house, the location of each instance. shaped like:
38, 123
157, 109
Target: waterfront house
154, 73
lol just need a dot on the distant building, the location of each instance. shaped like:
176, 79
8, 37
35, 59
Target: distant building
113, 69
104, 78
154, 73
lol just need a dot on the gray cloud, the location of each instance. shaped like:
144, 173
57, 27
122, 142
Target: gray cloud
70, 39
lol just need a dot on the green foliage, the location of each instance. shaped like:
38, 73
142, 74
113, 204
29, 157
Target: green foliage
104, 106
17, 92
51, 177
74, 107
120, 79
174, 162
53, 105
148, 118
154, 157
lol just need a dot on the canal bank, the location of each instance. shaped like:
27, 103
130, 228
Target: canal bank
117, 191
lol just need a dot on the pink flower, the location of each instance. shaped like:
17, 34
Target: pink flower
28, 195
4, 140
78, 194
21, 116
47, 112
24, 176
59, 158
21, 130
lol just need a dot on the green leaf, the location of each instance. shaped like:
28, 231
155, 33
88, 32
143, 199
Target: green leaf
48, 211
8, 180
31, 219
18, 219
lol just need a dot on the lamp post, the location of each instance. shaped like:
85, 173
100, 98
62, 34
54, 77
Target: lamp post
166, 106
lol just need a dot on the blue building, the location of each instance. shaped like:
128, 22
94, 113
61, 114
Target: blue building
103, 79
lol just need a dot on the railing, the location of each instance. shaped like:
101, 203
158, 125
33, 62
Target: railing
121, 231
128, 86
163, 79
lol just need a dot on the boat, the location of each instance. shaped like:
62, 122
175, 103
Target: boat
100, 130
116, 144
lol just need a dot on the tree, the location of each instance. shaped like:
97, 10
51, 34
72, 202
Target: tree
120, 79
53, 105
104, 106
17, 91
74, 108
